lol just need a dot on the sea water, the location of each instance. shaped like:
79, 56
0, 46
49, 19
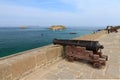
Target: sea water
14, 40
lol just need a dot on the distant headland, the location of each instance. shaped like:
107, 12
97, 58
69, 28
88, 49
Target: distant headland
57, 27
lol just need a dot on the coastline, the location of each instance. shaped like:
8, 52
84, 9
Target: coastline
84, 37
93, 36
31, 38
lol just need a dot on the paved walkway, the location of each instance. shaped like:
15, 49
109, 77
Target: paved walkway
82, 70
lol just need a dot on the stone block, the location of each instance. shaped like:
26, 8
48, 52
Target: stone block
59, 50
40, 58
5, 71
22, 64
65, 75
17, 68
50, 76
53, 52
29, 63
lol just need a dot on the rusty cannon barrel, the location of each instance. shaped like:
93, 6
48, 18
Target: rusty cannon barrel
89, 45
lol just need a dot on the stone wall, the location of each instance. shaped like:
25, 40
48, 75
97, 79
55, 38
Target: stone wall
19, 65
15, 67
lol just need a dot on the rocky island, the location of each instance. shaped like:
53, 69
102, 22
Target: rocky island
22, 27
57, 27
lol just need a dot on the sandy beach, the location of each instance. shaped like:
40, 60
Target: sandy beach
81, 70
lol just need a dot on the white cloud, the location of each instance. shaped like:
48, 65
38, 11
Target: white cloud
96, 8
29, 15
89, 12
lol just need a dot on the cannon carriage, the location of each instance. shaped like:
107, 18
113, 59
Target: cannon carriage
83, 49
112, 29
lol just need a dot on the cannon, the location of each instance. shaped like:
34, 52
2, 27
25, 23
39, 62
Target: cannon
112, 29
83, 49
90, 45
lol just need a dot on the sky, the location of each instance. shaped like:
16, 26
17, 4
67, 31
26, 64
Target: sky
59, 12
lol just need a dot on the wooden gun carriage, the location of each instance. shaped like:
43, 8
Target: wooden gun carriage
83, 49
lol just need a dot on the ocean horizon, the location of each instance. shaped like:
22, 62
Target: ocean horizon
14, 39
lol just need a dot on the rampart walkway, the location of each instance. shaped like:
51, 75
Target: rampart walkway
82, 70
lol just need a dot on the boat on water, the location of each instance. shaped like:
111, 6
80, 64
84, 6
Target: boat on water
72, 33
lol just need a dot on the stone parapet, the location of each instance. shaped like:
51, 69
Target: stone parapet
13, 68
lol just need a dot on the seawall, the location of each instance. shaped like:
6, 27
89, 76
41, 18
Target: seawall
17, 66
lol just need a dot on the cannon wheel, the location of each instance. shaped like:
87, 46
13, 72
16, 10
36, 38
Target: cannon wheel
104, 63
70, 58
97, 65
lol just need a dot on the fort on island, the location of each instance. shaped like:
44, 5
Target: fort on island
57, 27
22, 27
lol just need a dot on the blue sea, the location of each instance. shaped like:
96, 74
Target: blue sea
14, 40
